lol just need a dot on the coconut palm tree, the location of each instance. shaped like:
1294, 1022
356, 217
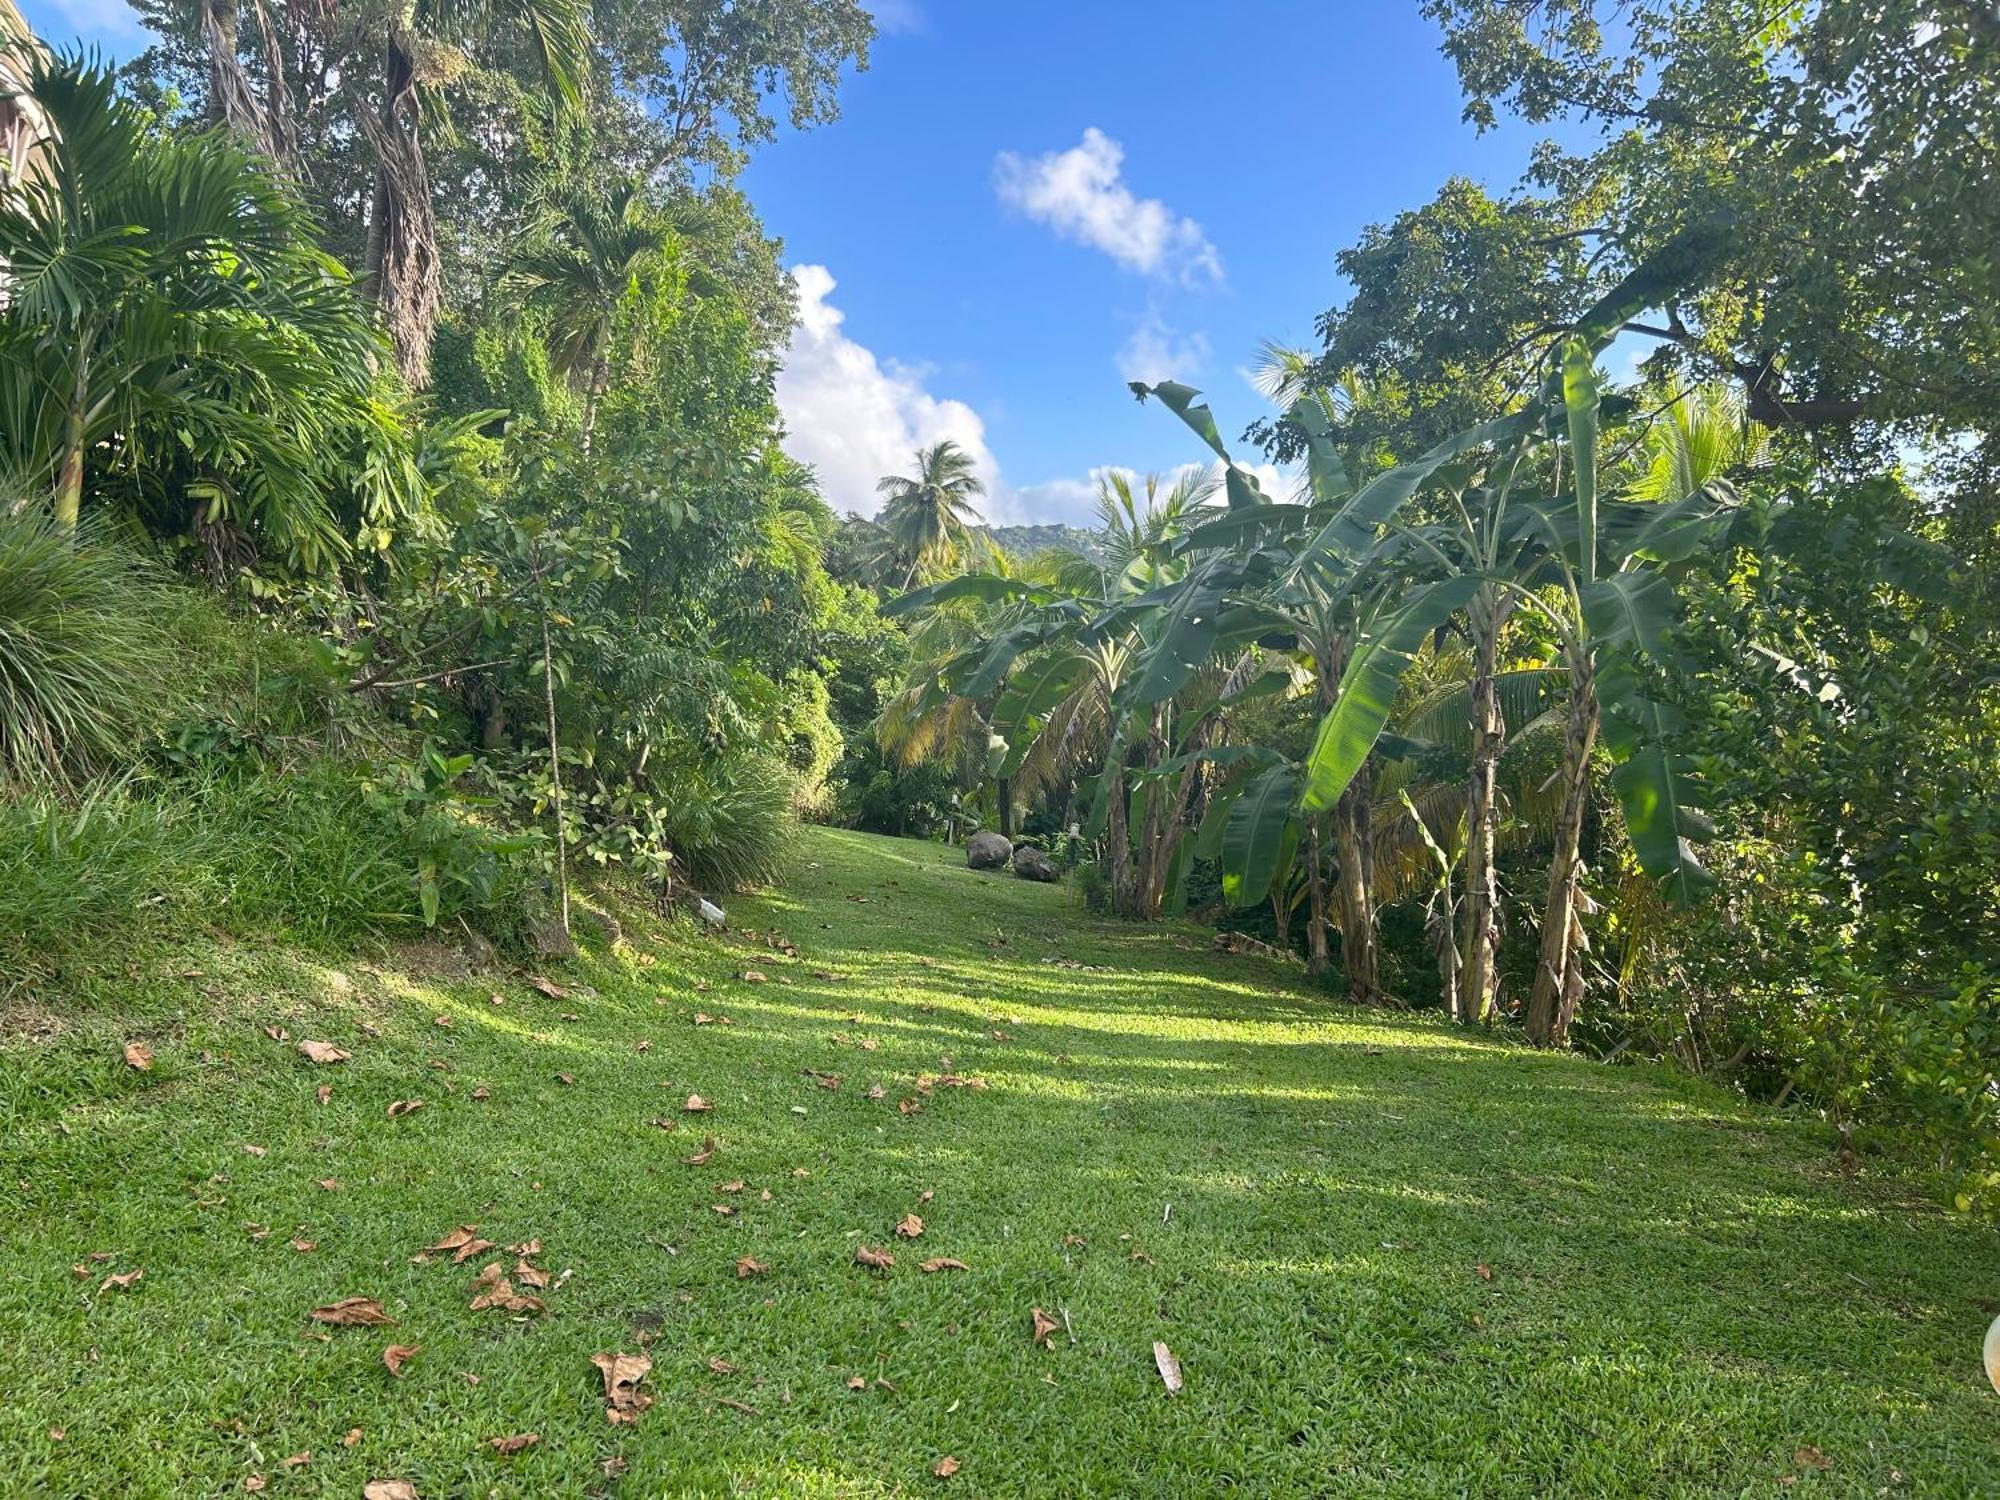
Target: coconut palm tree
585, 253
931, 513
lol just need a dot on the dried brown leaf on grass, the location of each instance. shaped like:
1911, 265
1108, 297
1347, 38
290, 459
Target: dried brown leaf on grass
324, 1053
623, 1400
1044, 1325
353, 1312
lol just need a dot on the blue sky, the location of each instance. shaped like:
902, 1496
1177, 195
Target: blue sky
1024, 205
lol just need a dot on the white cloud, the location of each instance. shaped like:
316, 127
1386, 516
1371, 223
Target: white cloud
855, 418
899, 17
1080, 194
1157, 352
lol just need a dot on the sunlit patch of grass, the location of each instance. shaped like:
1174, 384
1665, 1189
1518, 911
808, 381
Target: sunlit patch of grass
1174, 1144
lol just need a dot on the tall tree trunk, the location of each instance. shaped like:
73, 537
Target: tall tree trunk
1479, 944
1005, 798
555, 771
402, 264
1558, 972
1118, 843
600, 382
1319, 954
68, 499
1354, 848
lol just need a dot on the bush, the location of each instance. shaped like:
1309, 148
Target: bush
87, 668
729, 822
320, 854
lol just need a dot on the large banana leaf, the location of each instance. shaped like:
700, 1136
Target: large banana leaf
1443, 717
1655, 791
1354, 525
1581, 393
987, 588
1632, 610
1684, 261
1030, 695
1180, 400
1369, 686
1325, 470
1254, 835
1668, 533
1179, 643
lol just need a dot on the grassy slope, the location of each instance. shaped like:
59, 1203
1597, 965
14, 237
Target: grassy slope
1683, 1296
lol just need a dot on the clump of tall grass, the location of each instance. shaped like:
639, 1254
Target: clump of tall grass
87, 661
730, 822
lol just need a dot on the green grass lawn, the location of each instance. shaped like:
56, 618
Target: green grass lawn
1685, 1296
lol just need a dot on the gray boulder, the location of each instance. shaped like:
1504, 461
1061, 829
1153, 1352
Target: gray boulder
1031, 864
988, 851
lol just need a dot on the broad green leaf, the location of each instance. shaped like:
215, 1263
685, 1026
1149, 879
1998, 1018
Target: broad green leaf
1180, 400
1580, 400
987, 588
1684, 261
1653, 787
1034, 691
1369, 686
1633, 610
1253, 836
1354, 526
1325, 471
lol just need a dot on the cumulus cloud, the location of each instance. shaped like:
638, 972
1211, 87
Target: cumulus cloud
1080, 194
1157, 352
855, 417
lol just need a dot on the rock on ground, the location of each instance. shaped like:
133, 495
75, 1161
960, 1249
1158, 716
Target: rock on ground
1031, 864
988, 851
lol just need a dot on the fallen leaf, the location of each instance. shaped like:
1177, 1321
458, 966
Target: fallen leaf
752, 976
1170, 1368
701, 1157
909, 1227
493, 1289
1809, 1457
1483, 1272
565, 1079
926, 1195
398, 1355
251, 1150
277, 1033
702, 1018
721, 1367
330, 1184
352, 1439
623, 1400
460, 1237
305, 1247
296, 1461
945, 1467
875, 1091
824, 1080
83, 1273
907, 1106
139, 1057
529, 1274
526, 1248
731, 1187
725, 1209
696, 1105
1044, 1325
323, 1093
642, 1046
324, 1053
254, 1484
748, 1266
868, 1255
548, 987
120, 1283
353, 1312
388, 1489
515, 1443
403, 1107
857, 1382
496, 999
445, 1022
482, 1092
1140, 1257
944, 1263
57, 1434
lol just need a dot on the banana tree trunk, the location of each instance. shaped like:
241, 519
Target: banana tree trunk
1319, 957
68, 499
1118, 843
1479, 944
1558, 967
1354, 848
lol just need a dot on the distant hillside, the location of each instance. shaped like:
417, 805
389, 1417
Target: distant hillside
1026, 541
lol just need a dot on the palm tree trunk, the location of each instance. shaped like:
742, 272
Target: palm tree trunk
402, 256
600, 381
1472, 995
68, 500
1558, 976
1354, 848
